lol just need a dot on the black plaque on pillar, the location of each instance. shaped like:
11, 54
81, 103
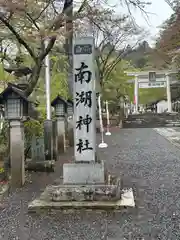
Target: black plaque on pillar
48, 139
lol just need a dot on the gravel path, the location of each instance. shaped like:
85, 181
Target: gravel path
146, 161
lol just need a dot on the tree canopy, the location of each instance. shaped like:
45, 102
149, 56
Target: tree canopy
168, 43
25, 25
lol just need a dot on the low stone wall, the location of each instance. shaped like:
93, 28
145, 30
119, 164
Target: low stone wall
113, 121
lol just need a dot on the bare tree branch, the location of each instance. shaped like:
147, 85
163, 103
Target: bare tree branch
18, 37
33, 21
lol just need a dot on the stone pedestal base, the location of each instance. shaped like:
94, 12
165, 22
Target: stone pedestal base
83, 173
77, 197
84, 186
86, 193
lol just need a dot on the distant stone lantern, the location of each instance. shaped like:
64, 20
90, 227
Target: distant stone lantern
15, 103
60, 106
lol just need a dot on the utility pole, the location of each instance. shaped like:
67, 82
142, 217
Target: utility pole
48, 125
47, 84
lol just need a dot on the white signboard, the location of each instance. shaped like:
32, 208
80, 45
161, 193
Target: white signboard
158, 84
84, 99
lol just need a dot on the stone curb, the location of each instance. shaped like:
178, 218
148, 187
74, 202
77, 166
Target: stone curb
127, 200
169, 139
45, 166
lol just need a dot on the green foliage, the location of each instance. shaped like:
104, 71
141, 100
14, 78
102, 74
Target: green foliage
33, 127
4, 78
59, 83
42, 110
4, 138
141, 62
151, 95
117, 86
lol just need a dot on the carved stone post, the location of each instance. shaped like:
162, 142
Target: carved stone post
48, 140
60, 106
17, 153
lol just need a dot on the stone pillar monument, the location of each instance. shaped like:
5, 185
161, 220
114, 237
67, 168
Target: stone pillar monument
84, 183
85, 169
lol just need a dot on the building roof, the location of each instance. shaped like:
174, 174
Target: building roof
12, 88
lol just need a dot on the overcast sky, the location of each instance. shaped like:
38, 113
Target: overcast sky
159, 11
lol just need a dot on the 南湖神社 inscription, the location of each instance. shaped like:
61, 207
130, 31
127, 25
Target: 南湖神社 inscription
84, 99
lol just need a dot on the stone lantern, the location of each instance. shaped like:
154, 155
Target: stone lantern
60, 107
15, 111
15, 104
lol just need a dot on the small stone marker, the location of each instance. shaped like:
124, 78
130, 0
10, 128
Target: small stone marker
38, 161
37, 149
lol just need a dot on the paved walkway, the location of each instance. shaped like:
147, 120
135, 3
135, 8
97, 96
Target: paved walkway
146, 161
171, 134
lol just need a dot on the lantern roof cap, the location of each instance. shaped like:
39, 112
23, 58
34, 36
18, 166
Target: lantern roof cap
13, 88
58, 99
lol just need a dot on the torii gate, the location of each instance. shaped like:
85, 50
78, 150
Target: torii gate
153, 79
